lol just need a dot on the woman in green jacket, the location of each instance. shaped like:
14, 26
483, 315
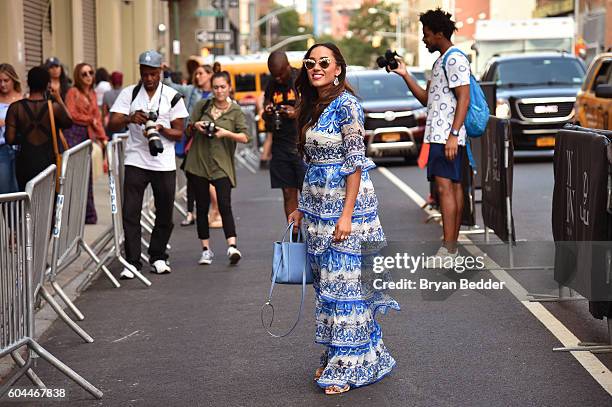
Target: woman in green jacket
211, 161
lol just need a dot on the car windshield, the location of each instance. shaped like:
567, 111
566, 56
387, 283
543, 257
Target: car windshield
384, 86
532, 71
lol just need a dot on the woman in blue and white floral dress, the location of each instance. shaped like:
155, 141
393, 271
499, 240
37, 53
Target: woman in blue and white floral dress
339, 209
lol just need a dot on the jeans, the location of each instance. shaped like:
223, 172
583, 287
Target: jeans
8, 182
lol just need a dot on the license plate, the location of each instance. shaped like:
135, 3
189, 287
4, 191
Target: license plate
390, 137
545, 142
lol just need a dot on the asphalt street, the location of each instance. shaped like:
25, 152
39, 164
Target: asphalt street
194, 338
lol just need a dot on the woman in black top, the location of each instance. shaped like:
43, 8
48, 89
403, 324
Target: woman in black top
28, 125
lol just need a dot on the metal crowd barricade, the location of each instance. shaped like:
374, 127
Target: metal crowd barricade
70, 211
247, 156
103, 242
17, 299
181, 191
115, 153
41, 190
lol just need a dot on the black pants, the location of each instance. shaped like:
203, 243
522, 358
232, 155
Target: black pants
163, 184
190, 192
224, 198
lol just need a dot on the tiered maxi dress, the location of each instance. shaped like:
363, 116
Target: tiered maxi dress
345, 304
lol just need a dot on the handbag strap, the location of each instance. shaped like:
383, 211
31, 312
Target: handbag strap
269, 302
54, 131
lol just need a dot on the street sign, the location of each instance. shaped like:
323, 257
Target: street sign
220, 4
209, 13
205, 36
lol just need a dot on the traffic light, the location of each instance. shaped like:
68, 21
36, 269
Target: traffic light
204, 52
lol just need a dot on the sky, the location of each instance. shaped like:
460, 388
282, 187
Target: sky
301, 5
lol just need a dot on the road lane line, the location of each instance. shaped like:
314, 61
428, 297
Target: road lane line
600, 373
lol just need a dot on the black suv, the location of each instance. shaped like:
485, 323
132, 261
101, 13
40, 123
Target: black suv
394, 118
537, 93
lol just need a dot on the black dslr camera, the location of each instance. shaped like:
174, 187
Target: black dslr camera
276, 111
155, 144
388, 60
209, 129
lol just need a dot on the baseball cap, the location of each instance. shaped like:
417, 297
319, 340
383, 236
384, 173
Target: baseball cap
53, 61
116, 78
150, 58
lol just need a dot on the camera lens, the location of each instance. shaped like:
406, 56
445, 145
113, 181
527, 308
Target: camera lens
155, 144
381, 62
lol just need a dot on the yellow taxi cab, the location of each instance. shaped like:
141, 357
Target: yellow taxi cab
594, 100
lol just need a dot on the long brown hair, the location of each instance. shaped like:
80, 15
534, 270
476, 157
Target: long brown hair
78, 79
310, 106
9, 71
207, 68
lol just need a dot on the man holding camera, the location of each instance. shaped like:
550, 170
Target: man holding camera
286, 166
447, 98
154, 115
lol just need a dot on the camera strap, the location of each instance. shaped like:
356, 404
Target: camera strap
173, 102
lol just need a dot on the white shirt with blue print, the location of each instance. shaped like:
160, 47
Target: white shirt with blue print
441, 102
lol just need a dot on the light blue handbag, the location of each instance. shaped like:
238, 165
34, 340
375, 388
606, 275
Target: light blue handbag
290, 265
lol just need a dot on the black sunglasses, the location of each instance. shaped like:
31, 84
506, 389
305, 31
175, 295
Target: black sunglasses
87, 73
310, 63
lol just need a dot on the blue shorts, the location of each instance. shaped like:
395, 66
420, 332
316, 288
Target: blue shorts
439, 166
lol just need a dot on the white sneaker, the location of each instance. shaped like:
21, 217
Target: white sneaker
207, 256
443, 259
233, 255
126, 274
160, 267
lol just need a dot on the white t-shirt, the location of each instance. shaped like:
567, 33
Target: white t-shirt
441, 102
137, 148
100, 89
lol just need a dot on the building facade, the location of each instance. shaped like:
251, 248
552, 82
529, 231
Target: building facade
593, 21
104, 33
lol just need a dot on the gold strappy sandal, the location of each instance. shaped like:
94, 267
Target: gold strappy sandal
337, 389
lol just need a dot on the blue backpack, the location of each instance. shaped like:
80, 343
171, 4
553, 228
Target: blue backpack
477, 115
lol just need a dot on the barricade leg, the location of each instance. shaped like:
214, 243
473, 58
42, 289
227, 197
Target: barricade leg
60, 312
98, 247
43, 353
593, 347
561, 297
60, 292
109, 254
30, 373
98, 262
